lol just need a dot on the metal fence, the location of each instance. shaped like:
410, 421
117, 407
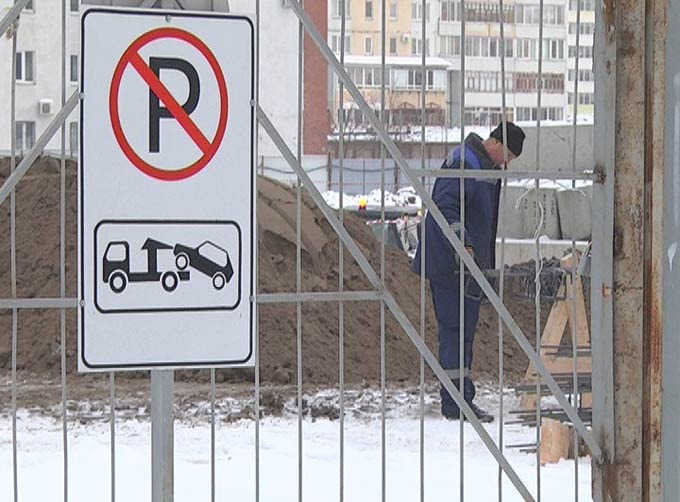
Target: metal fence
391, 160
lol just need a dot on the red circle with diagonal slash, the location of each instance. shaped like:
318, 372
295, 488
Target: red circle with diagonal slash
209, 148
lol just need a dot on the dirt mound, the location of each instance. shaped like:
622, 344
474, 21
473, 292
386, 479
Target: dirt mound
37, 237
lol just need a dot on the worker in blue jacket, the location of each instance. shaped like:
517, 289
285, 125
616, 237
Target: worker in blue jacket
441, 261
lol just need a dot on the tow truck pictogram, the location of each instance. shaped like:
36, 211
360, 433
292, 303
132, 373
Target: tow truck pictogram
117, 272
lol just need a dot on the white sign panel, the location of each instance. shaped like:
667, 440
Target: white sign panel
166, 190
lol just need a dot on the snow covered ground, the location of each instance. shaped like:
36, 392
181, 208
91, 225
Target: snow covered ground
405, 197
40, 458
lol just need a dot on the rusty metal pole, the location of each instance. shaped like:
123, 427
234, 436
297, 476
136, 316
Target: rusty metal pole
655, 180
670, 266
630, 112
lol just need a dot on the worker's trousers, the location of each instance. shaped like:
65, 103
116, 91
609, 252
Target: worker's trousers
446, 297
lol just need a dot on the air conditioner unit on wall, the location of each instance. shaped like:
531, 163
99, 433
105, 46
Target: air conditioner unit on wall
45, 106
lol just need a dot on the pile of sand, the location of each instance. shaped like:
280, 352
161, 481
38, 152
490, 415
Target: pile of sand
37, 236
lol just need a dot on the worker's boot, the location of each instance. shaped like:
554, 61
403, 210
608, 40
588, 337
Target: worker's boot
453, 413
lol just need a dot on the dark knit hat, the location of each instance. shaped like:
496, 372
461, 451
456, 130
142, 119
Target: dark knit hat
515, 137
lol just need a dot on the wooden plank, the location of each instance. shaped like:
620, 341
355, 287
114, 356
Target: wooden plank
565, 365
582, 329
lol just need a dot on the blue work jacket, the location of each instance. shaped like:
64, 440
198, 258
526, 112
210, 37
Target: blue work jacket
481, 215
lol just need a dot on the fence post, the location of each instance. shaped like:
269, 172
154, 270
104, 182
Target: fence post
329, 172
162, 447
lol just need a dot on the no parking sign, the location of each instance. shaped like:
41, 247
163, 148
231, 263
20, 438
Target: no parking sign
166, 190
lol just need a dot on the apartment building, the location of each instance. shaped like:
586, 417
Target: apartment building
483, 48
38, 73
403, 48
586, 77
483, 84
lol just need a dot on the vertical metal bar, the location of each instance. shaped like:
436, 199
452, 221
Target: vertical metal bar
423, 328
62, 251
112, 431
257, 317
298, 249
13, 268
422, 265
383, 227
461, 270
501, 282
539, 223
574, 338
162, 437
212, 434
605, 64
341, 252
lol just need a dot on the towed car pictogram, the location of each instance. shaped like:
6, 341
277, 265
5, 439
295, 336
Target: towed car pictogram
207, 258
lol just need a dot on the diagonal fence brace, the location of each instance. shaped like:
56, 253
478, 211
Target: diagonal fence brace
436, 213
37, 149
392, 304
12, 15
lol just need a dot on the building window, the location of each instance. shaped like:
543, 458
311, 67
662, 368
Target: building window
417, 47
369, 9
73, 138
417, 11
393, 46
415, 79
394, 9
585, 5
25, 69
553, 49
74, 68
449, 45
75, 5
485, 116
368, 45
367, 76
487, 47
530, 114
509, 44
487, 81
531, 14
337, 8
584, 51
25, 135
29, 6
553, 83
488, 13
586, 98
450, 10
586, 28
335, 43
583, 75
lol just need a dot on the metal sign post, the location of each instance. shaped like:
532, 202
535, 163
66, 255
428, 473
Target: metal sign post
162, 439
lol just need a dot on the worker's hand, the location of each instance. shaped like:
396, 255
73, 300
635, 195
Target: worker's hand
471, 252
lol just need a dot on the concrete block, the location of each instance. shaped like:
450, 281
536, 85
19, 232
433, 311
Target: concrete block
510, 220
551, 221
575, 210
